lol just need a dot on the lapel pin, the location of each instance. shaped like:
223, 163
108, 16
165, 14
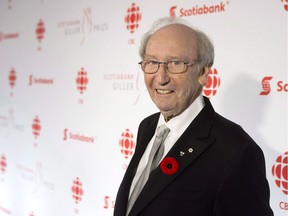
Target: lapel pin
182, 153
190, 150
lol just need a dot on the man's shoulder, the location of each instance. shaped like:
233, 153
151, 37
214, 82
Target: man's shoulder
150, 119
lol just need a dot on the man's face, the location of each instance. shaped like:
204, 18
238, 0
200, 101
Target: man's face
172, 93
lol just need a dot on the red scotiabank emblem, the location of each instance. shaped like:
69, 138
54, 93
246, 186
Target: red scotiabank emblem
280, 172
3, 163
40, 30
12, 78
77, 190
82, 80
36, 127
212, 85
127, 144
133, 18
266, 85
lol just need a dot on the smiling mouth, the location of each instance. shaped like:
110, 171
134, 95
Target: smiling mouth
163, 91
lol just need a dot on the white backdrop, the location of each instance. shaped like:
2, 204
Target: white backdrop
72, 95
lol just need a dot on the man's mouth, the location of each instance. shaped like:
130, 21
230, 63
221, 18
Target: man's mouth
163, 91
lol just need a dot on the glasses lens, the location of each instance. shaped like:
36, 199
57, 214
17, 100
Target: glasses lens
176, 66
149, 66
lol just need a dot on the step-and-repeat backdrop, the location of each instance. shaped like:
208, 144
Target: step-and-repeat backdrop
72, 94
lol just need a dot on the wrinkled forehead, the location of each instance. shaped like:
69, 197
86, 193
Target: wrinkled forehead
176, 38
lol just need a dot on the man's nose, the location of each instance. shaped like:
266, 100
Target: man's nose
162, 75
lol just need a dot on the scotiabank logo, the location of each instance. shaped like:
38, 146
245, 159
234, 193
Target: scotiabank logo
77, 190
133, 18
108, 203
82, 80
267, 86
68, 135
8, 36
127, 144
199, 10
40, 80
280, 172
213, 83
3, 163
285, 4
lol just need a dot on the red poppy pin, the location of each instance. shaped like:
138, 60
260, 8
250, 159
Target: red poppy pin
169, 165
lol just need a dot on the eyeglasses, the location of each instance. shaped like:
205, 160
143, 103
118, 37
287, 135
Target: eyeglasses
172, 66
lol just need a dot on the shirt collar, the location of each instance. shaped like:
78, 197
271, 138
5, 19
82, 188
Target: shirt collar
179, 123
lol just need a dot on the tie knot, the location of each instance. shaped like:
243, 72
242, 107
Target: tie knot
162, 131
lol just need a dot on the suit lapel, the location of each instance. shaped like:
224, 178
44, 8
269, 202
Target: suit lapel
194, 141
145, 134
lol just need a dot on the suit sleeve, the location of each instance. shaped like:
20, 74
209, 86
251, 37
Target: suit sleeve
244, 190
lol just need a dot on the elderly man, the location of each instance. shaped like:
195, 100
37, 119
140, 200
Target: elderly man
189, 160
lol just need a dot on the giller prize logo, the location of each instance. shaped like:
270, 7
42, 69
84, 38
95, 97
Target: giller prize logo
82, 81
280, 173
9, 122
132, 20
197, 10
121, 81
36, 176
127, 145
268, 86
77, 192
82, 26
40, 31
213, 83
12, 79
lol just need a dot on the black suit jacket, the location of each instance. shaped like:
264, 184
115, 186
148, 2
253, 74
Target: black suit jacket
224, 175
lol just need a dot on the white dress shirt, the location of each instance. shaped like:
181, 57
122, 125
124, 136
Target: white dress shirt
177, 126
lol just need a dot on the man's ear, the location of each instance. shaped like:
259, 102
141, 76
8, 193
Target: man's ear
203, 78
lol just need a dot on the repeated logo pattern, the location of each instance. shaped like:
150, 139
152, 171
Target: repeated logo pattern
12, 78
123, 79
36, 126
127, 144
133, 18
212, 85
266, 85
77, 190
280, 172
285, 4
82, 80
40, 30
3, 163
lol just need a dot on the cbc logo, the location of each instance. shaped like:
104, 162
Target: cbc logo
280, 173
133, 18
213, 83
127, 144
